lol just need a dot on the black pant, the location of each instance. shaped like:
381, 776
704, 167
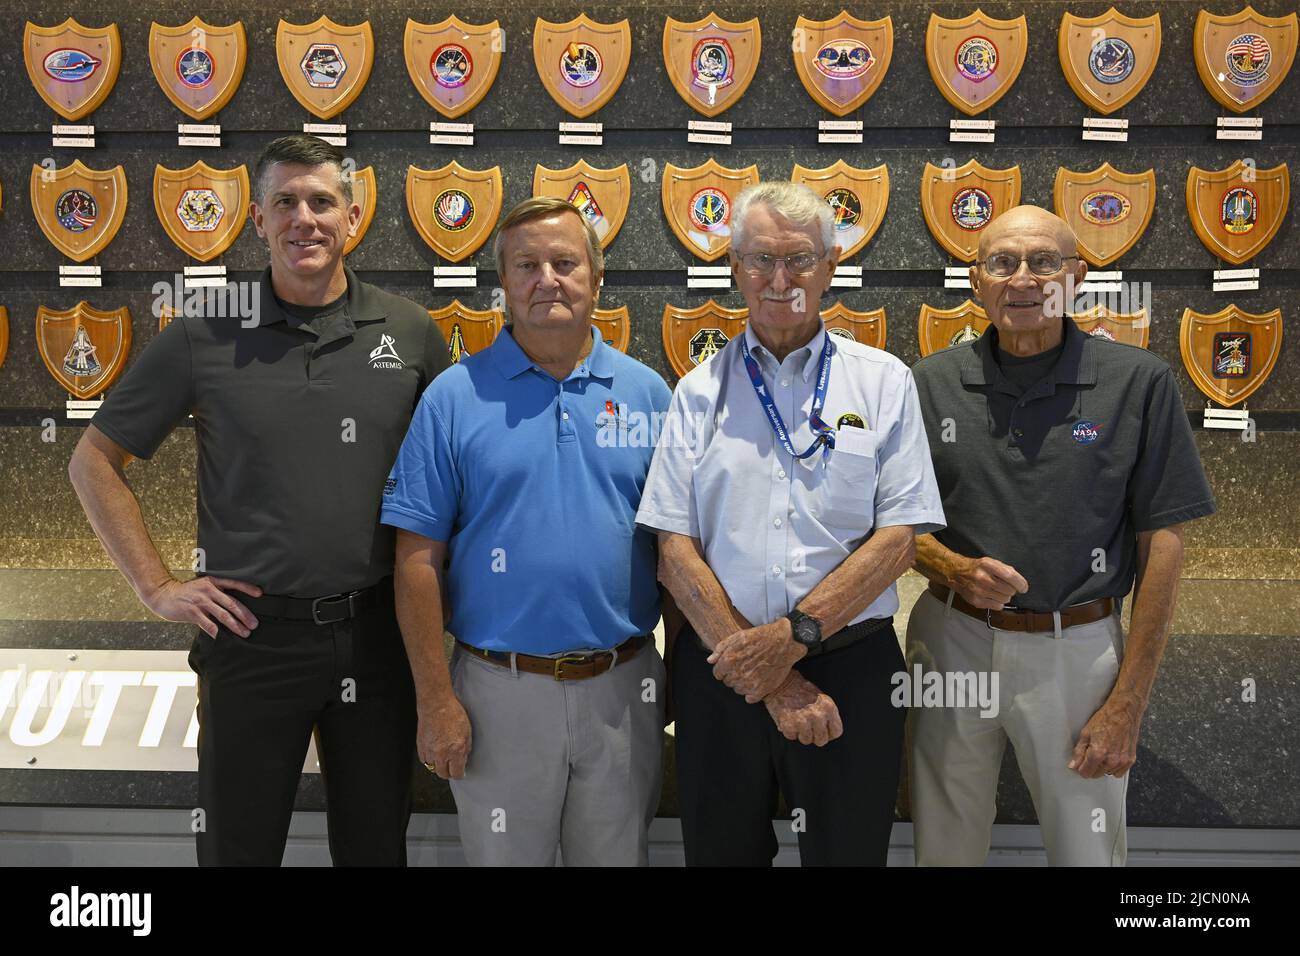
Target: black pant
259, 700
731, 760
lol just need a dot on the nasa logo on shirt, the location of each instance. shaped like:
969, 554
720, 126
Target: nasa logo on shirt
1085, 432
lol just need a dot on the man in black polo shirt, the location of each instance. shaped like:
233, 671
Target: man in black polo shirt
299, 411
1067, 468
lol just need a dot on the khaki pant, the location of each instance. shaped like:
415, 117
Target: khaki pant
1049, 687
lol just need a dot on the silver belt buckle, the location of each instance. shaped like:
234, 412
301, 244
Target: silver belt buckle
315, 606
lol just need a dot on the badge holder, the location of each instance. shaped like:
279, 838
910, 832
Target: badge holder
451, 134
1239, 127
1105, 129
1232, 280
839, 131
971, 131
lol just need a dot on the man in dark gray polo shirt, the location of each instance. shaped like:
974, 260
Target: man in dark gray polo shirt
298, 414
1067, 467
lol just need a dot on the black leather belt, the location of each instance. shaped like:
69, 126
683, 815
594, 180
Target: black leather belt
329, 609
569, 666
841, 638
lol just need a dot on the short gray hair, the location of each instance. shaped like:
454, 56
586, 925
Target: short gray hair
793, 201
543, 207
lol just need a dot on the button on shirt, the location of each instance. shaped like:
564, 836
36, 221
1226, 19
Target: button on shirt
771, 526
534, 486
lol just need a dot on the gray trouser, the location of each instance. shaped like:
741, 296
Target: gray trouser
576, 764
1049, 688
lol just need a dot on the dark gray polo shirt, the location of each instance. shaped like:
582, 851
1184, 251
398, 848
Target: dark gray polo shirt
1057, 479
298, 424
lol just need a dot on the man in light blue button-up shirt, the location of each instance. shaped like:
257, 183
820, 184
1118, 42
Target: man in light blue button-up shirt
791, 476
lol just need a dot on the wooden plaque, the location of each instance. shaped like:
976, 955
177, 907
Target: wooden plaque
198, 66
712, 61
857, 197
466, 330
83, 348
325, 64
842, 61
693, 336
72, 67
1108, 59
4, 334
959, 203
601, 195
453, 63
938, 329
365, 195
202, 209
697, 204
78, 208
975, 60
1133, 328
1230, 354
1237, 211
865, 327
615, 326
582, 63
454, 208
1108, 210
1243, 58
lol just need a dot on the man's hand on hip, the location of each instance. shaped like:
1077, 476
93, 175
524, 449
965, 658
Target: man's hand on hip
204, 601
755, 662
804, 713
443, 737
988, 583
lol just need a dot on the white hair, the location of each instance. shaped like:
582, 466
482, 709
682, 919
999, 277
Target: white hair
793, 201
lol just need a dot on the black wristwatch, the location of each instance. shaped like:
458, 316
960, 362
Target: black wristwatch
807, 631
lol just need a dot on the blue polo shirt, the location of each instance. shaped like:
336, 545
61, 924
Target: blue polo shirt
534, 485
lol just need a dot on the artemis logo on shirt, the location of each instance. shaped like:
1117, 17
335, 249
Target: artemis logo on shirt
385, 354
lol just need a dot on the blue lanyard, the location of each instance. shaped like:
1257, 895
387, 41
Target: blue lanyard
825, 434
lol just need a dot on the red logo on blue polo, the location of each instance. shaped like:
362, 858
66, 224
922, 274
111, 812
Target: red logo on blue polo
1086, 432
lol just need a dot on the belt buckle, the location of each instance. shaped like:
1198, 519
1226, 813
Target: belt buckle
316, 602
568, 659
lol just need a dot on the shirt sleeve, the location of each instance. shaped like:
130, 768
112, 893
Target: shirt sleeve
668, 501
1168, 484
422, 493
906, 490
154, 395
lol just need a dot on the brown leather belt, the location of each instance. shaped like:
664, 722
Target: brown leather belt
1028, 621
568, 667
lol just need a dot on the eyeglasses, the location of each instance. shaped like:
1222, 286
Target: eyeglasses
1045, 262
762, 264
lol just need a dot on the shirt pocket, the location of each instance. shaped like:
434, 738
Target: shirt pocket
846, 495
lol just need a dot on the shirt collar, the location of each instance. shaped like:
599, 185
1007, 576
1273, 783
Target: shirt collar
361, 305
1075, 366
511, 361
810, 360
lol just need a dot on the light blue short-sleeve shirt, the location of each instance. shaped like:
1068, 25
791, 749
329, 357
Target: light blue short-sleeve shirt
772, 527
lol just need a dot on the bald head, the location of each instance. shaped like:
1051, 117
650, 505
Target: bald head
1023, 219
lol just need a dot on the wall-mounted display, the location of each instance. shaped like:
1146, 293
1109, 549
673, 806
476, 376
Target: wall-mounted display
78, 208
466, 330
453, 208
693, 336
325, 64
582, 63
364, 194
1108, 210
865, 327
1107, 59
72, 67
453, 63
201, 209
199, 66
1243, 58
84, 348
1237, 211
975, 60
938, 329
615, 326
857, 197
601, 195
712, 61
843, 60
958, 203
697, 204
1230, 353
1131, 328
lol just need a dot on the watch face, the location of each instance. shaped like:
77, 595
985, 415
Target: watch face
806, 631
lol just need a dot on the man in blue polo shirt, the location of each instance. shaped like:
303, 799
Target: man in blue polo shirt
522, 472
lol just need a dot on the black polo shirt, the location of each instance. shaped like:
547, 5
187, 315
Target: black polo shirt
298, 423
1056, 479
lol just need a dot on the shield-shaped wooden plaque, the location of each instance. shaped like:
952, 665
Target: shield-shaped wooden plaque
842, 61
697, 204
959, 203
1243, 58
582, 62
857, 197
202, 209
454, 208
941, 328
1108, 59
615, 326
325, 64
1132, 328
975, 60
72, 67
712, 61
453, 63
4, 334
865, 327
1237, 211
1108, 210
1229, 354
79, 209
466, 330
693, 336
83, 348
198, 66
601, 195
364, 194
